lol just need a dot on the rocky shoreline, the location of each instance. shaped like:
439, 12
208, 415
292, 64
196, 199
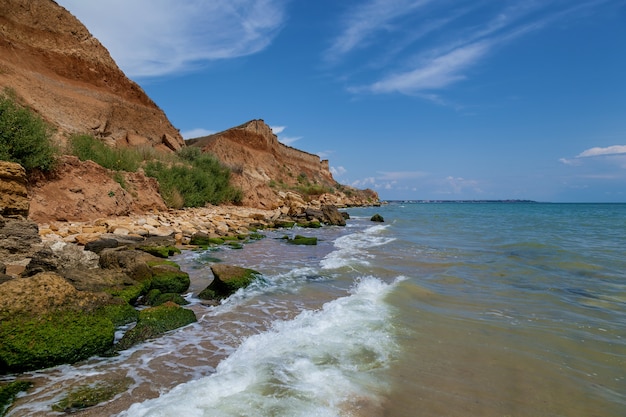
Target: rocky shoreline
66, 287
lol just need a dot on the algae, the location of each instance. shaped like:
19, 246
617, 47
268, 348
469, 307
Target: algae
89, 395
9, 391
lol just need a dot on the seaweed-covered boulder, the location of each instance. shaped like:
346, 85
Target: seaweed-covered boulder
168, 278
155, 321
204, 239
133, 263
227, 280
45, 321
301, 240
377, 218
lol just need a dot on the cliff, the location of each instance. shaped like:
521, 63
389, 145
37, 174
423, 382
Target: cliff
266, 169
57, 68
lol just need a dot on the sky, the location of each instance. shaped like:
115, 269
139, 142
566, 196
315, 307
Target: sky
416, 99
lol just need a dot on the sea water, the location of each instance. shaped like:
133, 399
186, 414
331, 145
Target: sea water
445, 309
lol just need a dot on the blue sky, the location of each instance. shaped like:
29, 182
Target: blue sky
422, 99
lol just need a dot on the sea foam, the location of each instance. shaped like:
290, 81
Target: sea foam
351, 249
321, 363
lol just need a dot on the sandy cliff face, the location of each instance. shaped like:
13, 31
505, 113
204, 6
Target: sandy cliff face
257, 159
60, 70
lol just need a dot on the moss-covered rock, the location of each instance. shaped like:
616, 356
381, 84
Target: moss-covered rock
156, 298
120, 312
169, 279
51, 339
227, 280
9, 391
130, 293
301, 240
155, 321
203, 239
314, 224
89, 395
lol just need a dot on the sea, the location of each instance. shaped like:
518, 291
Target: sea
444, 309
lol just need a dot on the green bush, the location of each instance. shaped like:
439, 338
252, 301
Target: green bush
203, 179
24, 137
86, 147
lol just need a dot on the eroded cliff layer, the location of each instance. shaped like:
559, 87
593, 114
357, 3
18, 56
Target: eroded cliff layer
57, 68
262, 165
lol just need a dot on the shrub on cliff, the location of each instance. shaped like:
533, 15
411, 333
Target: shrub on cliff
24, 137
201, 180
86, 147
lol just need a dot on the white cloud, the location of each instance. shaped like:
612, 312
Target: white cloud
278, 129
609, 150
196, 133
338, 171
363, 22
426, 59
401, 175
289, 140
434, 74
158, 37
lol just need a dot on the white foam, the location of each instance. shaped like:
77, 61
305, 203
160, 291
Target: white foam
314, 365
352, 248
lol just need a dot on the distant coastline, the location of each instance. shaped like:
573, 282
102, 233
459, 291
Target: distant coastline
456, 201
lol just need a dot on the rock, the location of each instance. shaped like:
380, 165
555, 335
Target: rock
169, 279
332, 216
155, 321
19, 238
301, 240
99, 245
227, 280
377, 218
133, 263
13, 193
45, 321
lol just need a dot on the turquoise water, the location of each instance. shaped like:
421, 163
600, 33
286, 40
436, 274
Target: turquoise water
446, 309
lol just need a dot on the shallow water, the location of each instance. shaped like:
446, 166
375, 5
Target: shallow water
443, 310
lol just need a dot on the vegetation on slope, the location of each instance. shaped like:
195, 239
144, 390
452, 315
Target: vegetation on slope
189, 178
25, 138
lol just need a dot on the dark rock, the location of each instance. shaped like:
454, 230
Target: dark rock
19, 238
332, 216
345, 215
377, 218
41, 261
203, 239
227, 280
99, 245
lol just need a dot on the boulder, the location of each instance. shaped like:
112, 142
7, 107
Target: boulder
45, 321
377, 218
332, 216
19, 238
13, 193
155, 321
227, 280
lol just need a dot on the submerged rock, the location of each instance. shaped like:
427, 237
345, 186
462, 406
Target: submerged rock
227, 280
377, 218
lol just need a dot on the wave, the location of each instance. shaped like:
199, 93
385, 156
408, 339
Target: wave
324, 363
352, 248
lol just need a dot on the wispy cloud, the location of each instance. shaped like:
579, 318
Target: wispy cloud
278, 129
362, 23
433, 59
289, 140
609, 150
157, 37
609, 153
338, 171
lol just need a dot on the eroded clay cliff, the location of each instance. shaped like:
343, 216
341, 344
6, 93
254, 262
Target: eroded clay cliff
57, 68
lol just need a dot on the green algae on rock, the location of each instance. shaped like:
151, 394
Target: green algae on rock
9, 391
87, 396
227, 280
300, 240
155, 321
